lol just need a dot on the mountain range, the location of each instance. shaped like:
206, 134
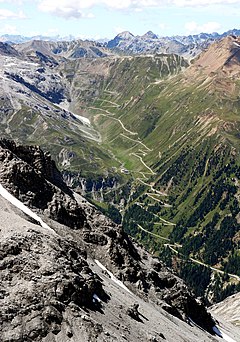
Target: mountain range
149, 137
149, 43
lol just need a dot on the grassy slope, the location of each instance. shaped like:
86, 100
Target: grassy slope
128, 96
189, 125
61, 136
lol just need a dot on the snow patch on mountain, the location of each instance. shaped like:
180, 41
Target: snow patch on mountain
18, 204
114, 279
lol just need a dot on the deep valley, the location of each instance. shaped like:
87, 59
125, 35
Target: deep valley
152, 141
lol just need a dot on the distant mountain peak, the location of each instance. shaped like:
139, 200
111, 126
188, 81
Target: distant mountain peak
150, 34
125, 35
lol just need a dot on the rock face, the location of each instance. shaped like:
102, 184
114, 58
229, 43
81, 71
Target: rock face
51, 287
8, 50
32, 176
40, 277
40, 161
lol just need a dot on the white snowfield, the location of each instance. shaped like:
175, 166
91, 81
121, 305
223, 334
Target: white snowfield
18, 204
84, 120
236, 44
113, 278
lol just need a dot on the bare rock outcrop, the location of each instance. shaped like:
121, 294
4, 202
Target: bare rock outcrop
41, 278
54, 268
31, 175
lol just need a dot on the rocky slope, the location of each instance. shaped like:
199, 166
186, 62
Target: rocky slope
228, 309
52, 289
8, 50
59, 51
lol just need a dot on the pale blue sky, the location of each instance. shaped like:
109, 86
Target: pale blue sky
105, 18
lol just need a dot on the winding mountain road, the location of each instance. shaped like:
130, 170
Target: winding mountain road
136, 141
206, 265
141, 160
153, 234
171, 246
